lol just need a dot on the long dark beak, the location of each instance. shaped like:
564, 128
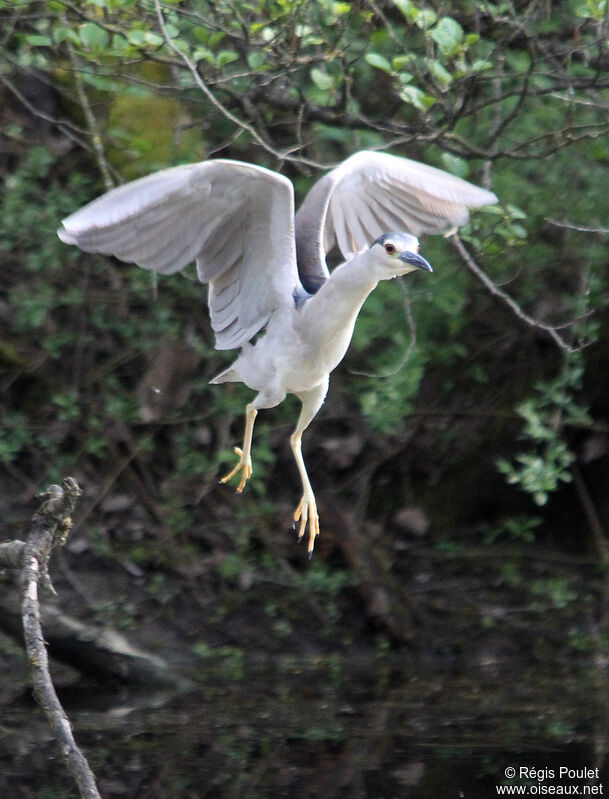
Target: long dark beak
414, 259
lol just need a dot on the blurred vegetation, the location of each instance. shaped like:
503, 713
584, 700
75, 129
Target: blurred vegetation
450, 404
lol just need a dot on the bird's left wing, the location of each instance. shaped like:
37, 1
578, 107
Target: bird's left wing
373, 193
235, 219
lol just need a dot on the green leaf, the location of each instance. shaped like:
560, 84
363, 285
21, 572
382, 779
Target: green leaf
155, 39
405, 7
515, 212
136, 38
202, 54
422, 17
596, 9
440, 73
425, 18
321, 79
448, 35
416, 97
92, 37
399, 62
37, 40
119, 43
455, 165
255, 59
225, 57
481, 64
379, 62
519, 231
61, 34
201, 33
215, 38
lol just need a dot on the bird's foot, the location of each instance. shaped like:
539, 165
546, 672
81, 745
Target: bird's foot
244, 466
307, 512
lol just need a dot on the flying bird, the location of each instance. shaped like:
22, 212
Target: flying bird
266, 266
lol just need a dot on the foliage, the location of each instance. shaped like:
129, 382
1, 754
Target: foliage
462, 78
519, 528
227, 658
547, 414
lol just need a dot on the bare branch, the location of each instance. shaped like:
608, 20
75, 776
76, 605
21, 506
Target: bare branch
96, 138
409, 347
50, 526
494, 289
67, 128
600, 230
245, 126
241, 124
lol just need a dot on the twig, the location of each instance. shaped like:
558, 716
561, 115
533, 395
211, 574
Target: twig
245, 126
50, 526
596, 527
68, 129
494, 289
96, 138
239, 123
409, 347
579, 228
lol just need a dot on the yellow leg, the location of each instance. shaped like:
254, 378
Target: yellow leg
307, 507
245, 460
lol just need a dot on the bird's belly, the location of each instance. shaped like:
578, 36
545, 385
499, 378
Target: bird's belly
309, 364
296, 358
304, 379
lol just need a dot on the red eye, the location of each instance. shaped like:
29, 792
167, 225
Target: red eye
389, 249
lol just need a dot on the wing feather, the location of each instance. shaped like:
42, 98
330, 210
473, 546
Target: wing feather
374, 193
235, 219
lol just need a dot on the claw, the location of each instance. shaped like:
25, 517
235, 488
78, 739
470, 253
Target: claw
244, 466
307, 512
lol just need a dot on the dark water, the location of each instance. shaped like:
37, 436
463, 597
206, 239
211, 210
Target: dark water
377, 727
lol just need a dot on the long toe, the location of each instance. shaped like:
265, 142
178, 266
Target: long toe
244, 466
306, 512
246, 473
300, 514
313, 531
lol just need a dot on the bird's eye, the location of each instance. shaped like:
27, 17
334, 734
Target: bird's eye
389, 249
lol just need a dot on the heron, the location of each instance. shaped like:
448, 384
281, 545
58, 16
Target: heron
267, 267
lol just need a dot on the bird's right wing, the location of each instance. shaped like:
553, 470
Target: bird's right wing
235, 219
374, 193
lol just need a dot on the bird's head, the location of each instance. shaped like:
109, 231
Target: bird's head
398, 254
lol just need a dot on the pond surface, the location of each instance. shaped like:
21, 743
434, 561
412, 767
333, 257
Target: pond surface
378, 726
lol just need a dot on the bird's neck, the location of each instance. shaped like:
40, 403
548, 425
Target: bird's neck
329, 316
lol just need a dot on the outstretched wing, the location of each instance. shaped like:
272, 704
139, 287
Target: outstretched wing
235, 219
372, 193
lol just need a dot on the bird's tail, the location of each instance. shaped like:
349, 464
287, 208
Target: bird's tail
230, 375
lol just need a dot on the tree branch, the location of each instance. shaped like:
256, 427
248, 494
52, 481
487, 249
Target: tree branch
50, 526
494, 289
579, 228
96, 139
241, 124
